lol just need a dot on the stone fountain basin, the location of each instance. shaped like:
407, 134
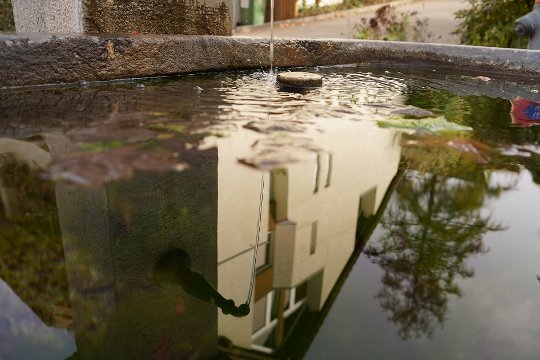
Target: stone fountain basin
40, 59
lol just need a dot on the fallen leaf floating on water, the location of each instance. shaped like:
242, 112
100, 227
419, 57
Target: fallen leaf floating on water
109, 133
167, 127
476, 151
433, 125
413, 112
483, 78
129, 128
270, 126
280, 150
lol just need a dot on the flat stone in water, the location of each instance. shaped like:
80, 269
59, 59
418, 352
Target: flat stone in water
413, 112
300, 79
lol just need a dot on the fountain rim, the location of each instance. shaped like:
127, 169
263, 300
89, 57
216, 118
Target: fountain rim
48, 59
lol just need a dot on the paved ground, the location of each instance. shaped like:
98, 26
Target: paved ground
439, 12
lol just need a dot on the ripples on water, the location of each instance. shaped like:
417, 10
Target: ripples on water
174, 167
349, 96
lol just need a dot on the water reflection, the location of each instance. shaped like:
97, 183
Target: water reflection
491, 118
143, 177
36, 314
436, 221
310, 222
25, 335
31, 247
431, 229
113, 235
507, 146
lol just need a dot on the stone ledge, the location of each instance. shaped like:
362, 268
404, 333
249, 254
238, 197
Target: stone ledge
54, 59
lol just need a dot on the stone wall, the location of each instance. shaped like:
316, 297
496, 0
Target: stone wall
53, 59
186, 17
189, 17
51, 16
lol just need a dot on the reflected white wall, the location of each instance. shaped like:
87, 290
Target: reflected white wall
239, 190
363, 157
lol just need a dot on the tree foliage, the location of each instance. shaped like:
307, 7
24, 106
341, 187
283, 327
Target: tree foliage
390, 24
6, 16
491, 22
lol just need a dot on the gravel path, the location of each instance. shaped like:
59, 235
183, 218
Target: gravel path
341, 25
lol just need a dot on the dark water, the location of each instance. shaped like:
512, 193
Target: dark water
130, 212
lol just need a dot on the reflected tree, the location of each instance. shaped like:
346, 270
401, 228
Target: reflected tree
433, 225
491, 120
490, 117
436, 219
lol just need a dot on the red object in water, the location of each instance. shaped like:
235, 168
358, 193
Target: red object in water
525, 112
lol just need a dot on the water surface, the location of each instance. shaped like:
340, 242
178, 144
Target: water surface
130, 212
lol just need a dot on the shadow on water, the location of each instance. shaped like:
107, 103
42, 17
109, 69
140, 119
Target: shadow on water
175, 268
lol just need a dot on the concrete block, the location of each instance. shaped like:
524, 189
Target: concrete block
52, 59
186, 17
51, 16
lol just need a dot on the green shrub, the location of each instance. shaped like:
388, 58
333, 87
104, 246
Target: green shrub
345, 5
491, 22
389, 24
6, 16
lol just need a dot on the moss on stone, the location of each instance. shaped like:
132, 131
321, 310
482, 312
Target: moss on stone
7, 24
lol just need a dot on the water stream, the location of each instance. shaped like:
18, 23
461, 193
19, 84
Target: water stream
271, 34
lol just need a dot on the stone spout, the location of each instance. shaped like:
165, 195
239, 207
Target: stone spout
529, 26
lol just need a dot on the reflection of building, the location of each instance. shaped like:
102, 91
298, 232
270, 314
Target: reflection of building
114, 235
313, 207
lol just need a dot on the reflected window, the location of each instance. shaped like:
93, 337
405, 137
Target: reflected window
313, 246
275, 303
366, 207
301, 292
327, 175
316, 171
285, 297
264, 252
278, 305
259, 313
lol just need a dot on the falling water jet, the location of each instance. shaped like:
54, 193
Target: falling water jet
271, 35
290, 81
